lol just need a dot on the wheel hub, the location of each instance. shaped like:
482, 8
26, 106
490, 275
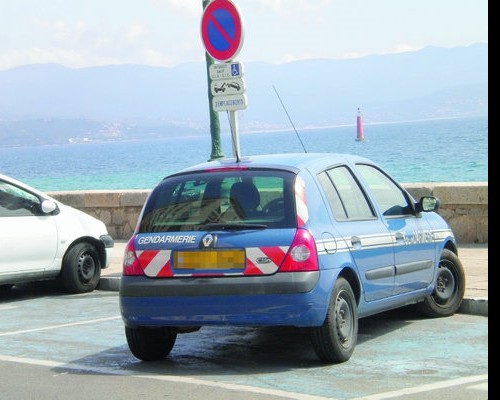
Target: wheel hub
343, 320
445, 284
86, 267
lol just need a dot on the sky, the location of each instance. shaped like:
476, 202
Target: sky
84, 33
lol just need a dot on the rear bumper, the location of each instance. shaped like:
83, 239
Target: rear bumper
283, 299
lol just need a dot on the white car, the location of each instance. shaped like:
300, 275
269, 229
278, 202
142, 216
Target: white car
42, 238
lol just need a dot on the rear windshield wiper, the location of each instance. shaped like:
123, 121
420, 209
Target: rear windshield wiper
235, 227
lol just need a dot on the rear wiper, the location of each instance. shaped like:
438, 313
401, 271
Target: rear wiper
235, 227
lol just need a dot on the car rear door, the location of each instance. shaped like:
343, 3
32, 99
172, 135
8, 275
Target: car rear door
366, 236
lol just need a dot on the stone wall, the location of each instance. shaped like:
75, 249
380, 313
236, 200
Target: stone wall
463, 205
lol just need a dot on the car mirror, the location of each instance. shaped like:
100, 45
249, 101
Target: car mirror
48, 206
428, 204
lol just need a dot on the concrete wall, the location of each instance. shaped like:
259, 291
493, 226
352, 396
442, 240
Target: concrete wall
463, 205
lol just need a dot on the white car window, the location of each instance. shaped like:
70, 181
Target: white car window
16, 202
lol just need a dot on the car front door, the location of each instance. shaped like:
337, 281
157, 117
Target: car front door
28, 238
414, 248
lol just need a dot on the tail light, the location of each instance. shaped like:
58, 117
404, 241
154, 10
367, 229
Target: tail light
131, 265
302, 255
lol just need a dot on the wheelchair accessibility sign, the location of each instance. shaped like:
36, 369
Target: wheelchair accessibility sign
226, 70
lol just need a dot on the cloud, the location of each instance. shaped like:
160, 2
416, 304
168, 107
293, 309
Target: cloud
135, 32
403, 48
291, 7
192, 7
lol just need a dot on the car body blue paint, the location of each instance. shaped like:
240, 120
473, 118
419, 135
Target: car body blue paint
390, 261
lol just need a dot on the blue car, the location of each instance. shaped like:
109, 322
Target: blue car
315, 241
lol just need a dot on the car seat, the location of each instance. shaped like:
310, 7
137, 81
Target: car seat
245, 199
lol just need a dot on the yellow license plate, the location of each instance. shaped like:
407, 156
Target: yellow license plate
210, 259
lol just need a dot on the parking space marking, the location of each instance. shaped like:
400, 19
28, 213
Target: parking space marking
482, 379
481, 386
45, 328
7, 307
176, 379
426, 388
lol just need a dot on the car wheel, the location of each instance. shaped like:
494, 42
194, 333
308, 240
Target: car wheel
150, 344
81, 268
450, 287
335, 340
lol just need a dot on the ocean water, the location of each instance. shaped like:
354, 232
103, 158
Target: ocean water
447, 150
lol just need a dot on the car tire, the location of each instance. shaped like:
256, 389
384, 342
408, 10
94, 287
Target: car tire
150, 344
335, 340
81, 268
448, 294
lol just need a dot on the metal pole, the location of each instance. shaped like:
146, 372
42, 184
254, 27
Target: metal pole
234, 134
214, 117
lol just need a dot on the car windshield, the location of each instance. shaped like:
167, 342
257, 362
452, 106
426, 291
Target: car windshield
243, 199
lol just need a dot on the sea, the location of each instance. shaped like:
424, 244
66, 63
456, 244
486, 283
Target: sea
441, 150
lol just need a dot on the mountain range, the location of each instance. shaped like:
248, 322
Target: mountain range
50, 103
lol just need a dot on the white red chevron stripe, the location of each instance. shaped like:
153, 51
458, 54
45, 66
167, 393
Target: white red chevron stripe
300, 200
259, 261
156, 263
264, 260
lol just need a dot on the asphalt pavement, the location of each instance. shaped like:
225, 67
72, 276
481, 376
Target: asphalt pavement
474, 257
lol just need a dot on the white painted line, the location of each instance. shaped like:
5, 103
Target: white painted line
45, 328
481, 386
176, 379
426, 388
7, 307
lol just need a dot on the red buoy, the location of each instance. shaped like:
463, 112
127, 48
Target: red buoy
360, 136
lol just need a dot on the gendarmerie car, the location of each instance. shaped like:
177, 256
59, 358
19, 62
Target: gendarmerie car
315, 241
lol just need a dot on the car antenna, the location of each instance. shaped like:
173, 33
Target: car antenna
291, 122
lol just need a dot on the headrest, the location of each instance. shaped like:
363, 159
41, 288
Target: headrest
245, 196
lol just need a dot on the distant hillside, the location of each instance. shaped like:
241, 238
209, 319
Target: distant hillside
48, 103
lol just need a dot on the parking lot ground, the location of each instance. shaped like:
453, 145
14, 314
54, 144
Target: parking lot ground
79, 341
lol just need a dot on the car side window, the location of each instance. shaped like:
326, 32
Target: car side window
347, 199
391, 199
16, 202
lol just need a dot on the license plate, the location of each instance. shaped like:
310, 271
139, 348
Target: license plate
210, 259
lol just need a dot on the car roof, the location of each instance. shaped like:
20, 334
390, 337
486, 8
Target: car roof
287, 161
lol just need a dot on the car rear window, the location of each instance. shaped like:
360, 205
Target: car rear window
206, 200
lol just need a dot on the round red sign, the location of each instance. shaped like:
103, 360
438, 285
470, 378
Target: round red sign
222, 30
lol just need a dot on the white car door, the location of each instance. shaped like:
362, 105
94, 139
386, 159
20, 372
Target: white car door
28, 238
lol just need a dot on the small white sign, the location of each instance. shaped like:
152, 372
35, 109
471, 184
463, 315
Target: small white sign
227, 86
231, 102
226, 70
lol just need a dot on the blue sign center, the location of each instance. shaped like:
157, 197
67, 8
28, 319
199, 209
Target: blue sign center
221, 30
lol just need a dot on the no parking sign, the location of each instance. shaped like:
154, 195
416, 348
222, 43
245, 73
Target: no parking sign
222, 30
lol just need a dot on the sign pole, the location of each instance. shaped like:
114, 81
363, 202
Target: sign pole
222, 35
214, 116
234, 133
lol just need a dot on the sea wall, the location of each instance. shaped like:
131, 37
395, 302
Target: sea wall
463, 205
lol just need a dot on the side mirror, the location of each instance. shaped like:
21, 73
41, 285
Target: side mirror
48, 206
428, 204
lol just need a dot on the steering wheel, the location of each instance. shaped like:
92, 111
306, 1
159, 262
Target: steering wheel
274, 207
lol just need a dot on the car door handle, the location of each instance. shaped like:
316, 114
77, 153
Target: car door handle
356, 242
400, 236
